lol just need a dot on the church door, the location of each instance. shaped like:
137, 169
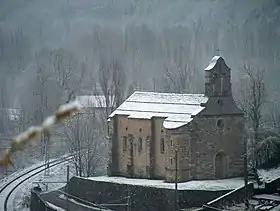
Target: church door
220, 165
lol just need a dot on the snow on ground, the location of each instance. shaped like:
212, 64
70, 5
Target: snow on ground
253, 203
19, 172
210, 185
241, 206
31, 155
276, 208
57, 174
55, 207
62, 196
22, 171
269, 175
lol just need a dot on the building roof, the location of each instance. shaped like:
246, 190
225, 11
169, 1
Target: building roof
94, 101
216, 60
177, 109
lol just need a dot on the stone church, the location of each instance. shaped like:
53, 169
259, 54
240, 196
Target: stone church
206, 130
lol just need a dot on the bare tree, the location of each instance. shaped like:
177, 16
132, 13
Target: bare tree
274, 117
13, 54
119, 80
68, 72
106, 85
179, 74
252, 103
14, 51
54, 81
4, 106
83, 135
112, 78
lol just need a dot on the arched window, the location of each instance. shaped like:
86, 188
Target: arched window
124, 143
162, 146
140, 143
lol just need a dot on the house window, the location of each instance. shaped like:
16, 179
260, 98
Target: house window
140, 143
162, 146
124, 143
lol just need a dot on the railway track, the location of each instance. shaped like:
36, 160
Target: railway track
10, 186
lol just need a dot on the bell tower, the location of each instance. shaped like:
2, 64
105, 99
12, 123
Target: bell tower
217, 78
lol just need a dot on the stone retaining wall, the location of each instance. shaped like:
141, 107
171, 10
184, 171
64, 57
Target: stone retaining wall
37, 203
142, 197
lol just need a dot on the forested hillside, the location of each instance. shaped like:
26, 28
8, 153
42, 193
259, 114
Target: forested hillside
155, 43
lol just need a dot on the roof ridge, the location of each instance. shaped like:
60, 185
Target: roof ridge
166, 103
169, 93
154, 111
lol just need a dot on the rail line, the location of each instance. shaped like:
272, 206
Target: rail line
27, 175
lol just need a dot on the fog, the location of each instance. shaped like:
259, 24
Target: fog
40, 40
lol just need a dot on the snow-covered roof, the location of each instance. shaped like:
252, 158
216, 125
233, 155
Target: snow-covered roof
269, 175
209, 185
177, 109
215, 60
94, 101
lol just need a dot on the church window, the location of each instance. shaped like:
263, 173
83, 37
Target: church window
162, 146
124, 143
171, 161
220, 123
171, 143
140, 143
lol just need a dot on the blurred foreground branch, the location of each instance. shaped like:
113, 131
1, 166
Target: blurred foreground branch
18, 142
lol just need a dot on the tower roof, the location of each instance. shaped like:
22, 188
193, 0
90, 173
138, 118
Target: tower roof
217, 61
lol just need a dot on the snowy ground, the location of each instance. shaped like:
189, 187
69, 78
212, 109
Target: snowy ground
210, 185
269, 175
241, 206
20, 197
31, 155
253, 203
57, 174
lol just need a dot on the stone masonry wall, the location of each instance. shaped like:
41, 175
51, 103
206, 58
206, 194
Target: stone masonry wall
142, 198
138, 133
179, 141
212, 139
37, 203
